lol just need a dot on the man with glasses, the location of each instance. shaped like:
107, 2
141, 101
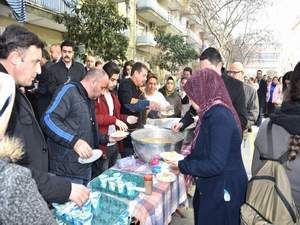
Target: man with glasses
236, 70
66, 69
211, 58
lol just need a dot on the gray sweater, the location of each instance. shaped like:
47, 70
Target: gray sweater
20, 201
280, 145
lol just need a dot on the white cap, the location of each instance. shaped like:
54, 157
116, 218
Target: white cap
7, 97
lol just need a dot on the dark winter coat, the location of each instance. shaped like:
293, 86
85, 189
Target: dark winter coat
24, 126
58, 74
71, 116
216, 164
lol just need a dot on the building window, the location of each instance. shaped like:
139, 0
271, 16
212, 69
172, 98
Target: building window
141, 28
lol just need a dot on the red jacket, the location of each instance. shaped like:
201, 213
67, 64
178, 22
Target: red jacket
104, 119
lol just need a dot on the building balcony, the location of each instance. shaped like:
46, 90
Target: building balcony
151, 11
176, 25
146, 39
56, 6
174, 4
40, 12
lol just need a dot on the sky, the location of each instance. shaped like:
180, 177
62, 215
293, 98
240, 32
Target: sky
280, 17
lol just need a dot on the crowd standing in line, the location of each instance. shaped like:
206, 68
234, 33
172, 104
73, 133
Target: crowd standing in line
79, 106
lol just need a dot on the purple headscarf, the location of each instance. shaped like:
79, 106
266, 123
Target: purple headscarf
207, 89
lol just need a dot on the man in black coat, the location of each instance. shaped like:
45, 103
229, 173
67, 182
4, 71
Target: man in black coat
66, 69
20, 56
262, 95
211, 58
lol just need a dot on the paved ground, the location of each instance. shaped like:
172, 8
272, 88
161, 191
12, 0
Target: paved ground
187, 211
188, 220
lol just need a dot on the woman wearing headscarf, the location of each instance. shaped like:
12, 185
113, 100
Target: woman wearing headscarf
215, 160
170, 93
285, 133
20, 201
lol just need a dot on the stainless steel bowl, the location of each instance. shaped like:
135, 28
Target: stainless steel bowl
167, 123
146, 150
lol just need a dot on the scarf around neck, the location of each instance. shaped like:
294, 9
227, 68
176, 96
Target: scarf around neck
288, 117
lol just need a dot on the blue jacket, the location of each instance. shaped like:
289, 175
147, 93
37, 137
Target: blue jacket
216, 164
70, 116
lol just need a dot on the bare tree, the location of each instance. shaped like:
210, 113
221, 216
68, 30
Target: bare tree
247, 45
222, 19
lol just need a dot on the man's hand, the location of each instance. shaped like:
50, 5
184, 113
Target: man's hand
132, 119
176, 126
79, 194
121, 125
154, 106
83, 149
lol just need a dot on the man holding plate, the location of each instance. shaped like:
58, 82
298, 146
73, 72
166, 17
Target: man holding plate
70, 124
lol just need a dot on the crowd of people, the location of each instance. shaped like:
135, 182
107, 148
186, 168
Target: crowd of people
55, 110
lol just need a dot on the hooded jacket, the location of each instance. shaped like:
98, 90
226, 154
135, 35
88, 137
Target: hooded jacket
20, 201
286, 122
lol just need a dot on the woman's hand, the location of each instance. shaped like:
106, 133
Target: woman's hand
173, 164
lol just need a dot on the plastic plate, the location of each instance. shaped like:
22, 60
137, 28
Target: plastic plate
166, 176
171, 156
119, 134
96, 155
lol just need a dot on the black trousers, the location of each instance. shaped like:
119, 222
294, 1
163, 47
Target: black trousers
270, 108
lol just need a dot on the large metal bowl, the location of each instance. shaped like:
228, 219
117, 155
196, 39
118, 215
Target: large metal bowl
146, 150
167, 123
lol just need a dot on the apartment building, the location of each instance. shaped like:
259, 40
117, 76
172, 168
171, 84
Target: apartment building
39, 18
174, 16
